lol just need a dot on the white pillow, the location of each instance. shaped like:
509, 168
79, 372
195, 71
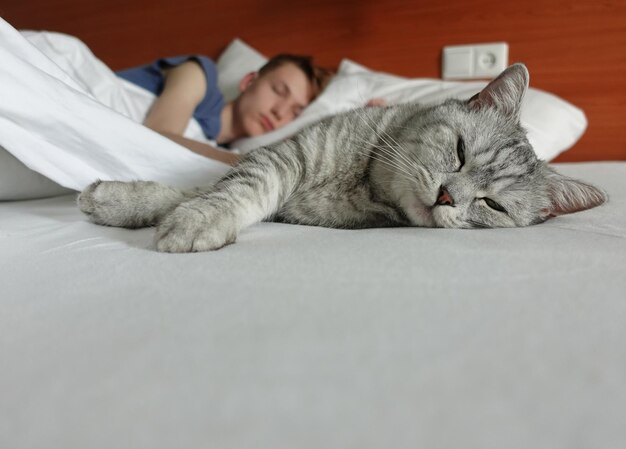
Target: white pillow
553, 124
234, 63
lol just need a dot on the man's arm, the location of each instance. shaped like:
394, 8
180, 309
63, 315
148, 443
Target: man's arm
204, 149
185, 87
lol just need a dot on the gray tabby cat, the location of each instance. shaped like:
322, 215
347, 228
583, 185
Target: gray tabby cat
459, 164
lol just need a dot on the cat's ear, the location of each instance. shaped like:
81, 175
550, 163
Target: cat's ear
505, 93
568, 195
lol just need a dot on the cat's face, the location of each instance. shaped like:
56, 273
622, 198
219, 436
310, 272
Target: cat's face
477, 169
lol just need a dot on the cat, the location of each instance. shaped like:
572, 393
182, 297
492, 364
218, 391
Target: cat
458, 164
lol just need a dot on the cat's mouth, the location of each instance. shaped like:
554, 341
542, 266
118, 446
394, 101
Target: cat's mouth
421, 214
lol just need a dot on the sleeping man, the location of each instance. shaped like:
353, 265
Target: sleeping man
186, 88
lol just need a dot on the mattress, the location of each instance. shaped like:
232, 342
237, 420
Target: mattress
305, 337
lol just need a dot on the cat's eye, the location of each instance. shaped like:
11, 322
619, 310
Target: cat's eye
460, 152
495, 206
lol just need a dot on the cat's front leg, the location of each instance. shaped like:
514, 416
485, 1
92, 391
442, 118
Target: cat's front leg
254, 190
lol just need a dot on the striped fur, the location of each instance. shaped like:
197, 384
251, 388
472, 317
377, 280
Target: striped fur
371, 167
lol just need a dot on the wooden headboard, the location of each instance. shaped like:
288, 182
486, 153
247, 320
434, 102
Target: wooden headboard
573, 48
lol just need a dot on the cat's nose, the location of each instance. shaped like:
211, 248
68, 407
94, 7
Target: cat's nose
444, 198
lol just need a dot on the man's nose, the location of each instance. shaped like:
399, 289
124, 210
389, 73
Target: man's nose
444, 198
280, 111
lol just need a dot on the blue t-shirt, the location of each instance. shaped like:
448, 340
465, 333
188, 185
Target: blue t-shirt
207, 113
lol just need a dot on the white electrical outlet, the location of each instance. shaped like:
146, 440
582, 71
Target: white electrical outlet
474, 61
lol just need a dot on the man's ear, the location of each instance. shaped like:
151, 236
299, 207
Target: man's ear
247, 80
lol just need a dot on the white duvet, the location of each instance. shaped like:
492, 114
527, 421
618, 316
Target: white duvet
75, 129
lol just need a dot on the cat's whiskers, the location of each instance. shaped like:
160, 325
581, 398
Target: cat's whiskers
412, 153
401, 154
379, 133
395, 149
416, 172
403, 173
407, 173
416, 169
389, 155
376, 132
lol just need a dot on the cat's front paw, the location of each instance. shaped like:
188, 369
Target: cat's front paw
87, 202
135, 204
100, 202
191, 227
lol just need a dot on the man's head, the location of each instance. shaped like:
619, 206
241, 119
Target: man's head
277, 93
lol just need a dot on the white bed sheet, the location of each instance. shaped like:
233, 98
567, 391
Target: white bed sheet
304, 337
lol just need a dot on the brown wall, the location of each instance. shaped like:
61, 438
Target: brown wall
575, 49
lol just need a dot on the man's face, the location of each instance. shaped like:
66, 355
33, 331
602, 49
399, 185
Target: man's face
272, 100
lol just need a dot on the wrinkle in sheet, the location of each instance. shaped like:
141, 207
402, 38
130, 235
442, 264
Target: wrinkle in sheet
81, 245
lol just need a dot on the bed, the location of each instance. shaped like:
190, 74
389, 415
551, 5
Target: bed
296, 336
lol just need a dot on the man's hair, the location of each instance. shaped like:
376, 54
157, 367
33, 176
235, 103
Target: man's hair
319, 77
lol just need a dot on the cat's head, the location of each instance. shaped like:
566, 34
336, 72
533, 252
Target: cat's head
477, 168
